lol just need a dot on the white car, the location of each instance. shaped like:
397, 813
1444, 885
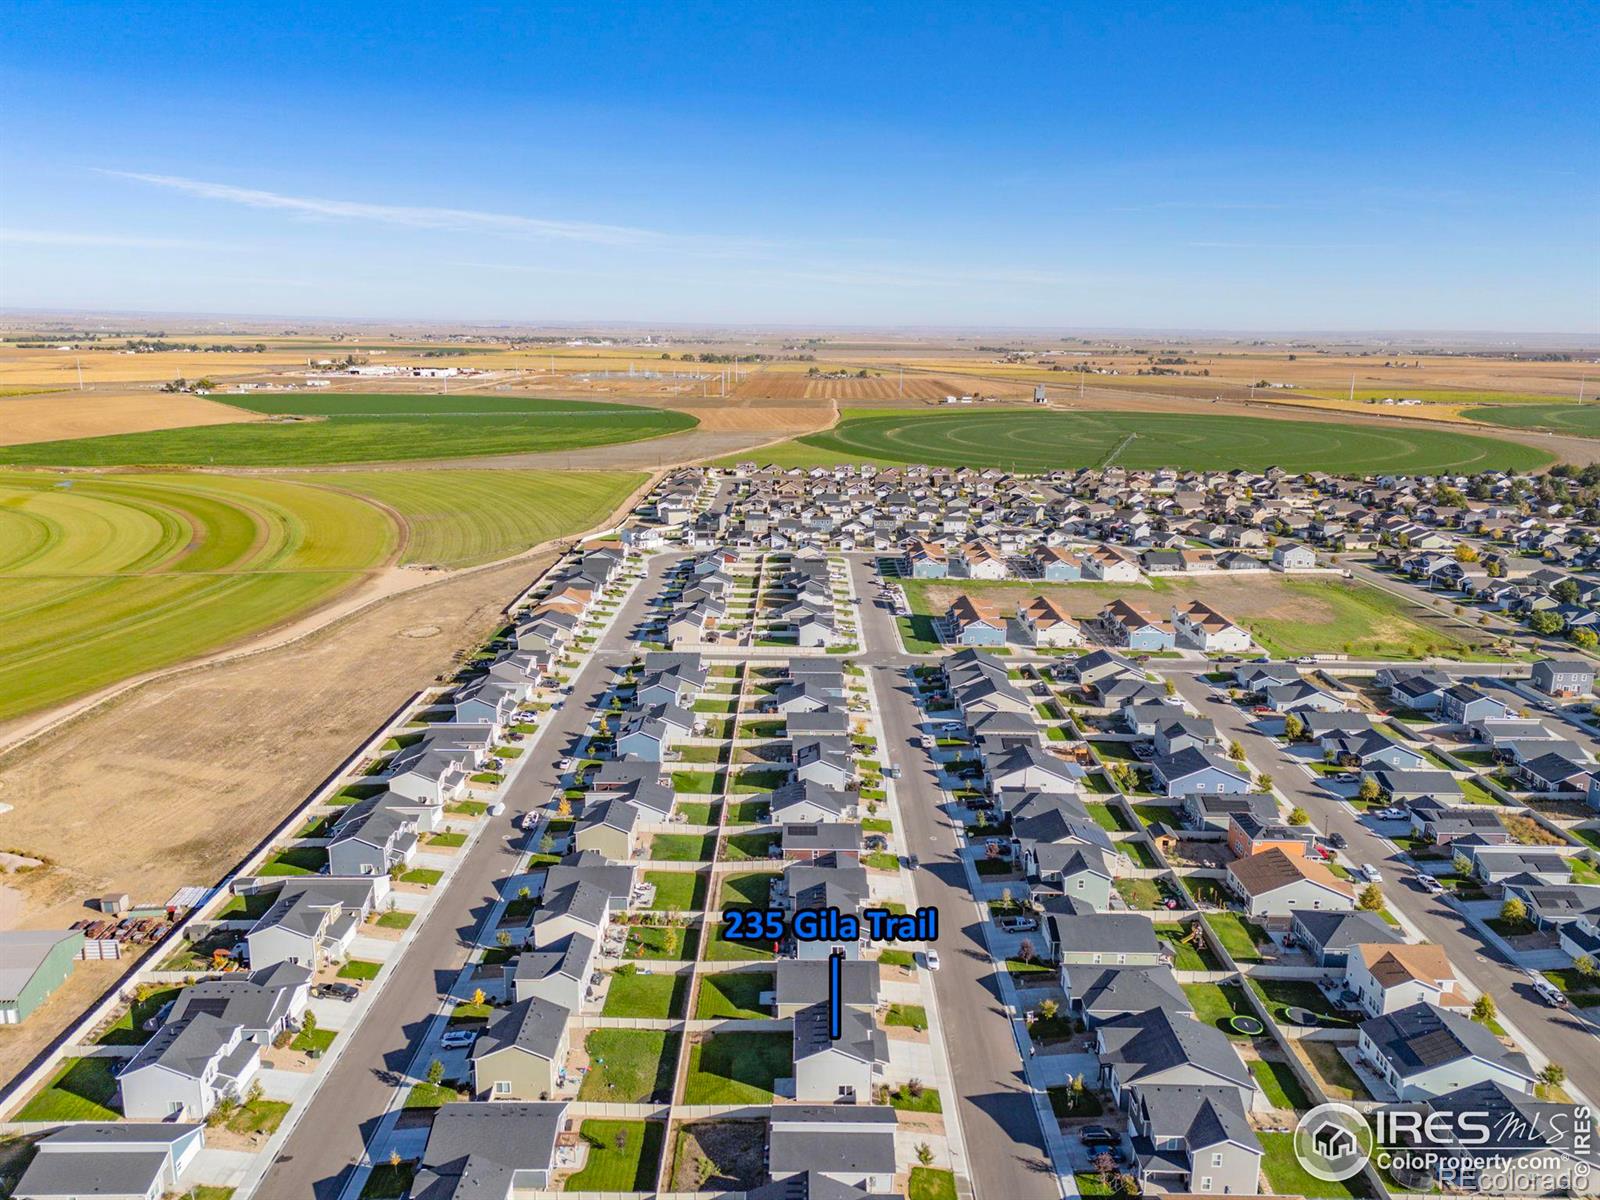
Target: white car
496, 808
457, 1039
566, 764
1370, 873
1391, 814
1430, 885
930, 959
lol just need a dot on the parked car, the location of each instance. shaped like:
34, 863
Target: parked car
335, 991
457, 1039
1390, 814
1338, 841
1370, 873
1098, 1135
930, 959
497, 808
1017, 924
912, 862
1548, 992
1429, 884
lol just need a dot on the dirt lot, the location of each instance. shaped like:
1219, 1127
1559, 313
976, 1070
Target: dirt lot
884, 385
52, 415
193, 770
718, 1155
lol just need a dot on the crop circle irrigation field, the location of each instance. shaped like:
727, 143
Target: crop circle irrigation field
349, 427
103, 577
1033, 441
1580, 420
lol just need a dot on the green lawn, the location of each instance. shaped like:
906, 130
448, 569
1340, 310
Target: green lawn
748, 847
296, 860
661, 942
678, 891
1027, 440
911, 1016
683, 847
733, 995
1142, 894
653, 996
448, 840
127, 1030
423, 875
702, 782
430, 1095
1579, 419
1240, 936
1217, 1003
82, 1090
738, 1068
929, 1183
1279, 1085
396, 920
360, 968
925, 1101
388, 1181
721, 949
1109, 817
629, 1066
313, 1040
1289, 1178
1282, 994
699, 812
1186, 957
623, 1156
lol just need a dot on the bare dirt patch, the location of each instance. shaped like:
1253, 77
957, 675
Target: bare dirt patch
57, 416
193, 770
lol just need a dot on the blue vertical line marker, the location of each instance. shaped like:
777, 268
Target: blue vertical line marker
835, 996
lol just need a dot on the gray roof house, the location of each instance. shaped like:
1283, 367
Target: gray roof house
1423, 1051
1194, 770
802, 800
111, 1161
263, 1003
186, 1067
372, 841
1184, 1138
520, 1054
1098, 993
801, 983
1160, 1046
487, 1151
314, 919
842, 1070
847, 1144
559, 973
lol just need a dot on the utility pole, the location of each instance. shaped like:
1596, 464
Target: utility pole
1352, 387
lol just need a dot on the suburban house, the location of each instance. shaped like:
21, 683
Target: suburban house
490, 1151
1215, 811
1099, 993
1045, 624
974, 621
1273, 884
832, 1147
1201, 627
1248, 834
1159, 1046
801, 983
1136, 626
1106, 565
520, 1054
836, 842
1195, 770
1463, 703
372, 838
822, 760
263, 1003
1330, 936
314, 920
1055, 565
651, 733
1441, 823
926, 560
610, 827
842, 1070
1563, 676
1191, 1139
1536, 1140
1371, 751
558, 974
1291, 556
1387, 977
800, 801
1078, 935
185, 1068
1424, 1051
111, 1160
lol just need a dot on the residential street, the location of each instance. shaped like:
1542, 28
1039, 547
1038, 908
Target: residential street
333, 1129
1005, 1146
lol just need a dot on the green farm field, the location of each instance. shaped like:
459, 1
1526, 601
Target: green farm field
345, 427
103, 577
462, 518
1581, 420
1286, 616
1033, 441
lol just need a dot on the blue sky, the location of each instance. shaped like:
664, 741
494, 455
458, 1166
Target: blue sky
1312, 167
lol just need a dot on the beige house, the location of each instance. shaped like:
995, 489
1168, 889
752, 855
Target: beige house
519, 1056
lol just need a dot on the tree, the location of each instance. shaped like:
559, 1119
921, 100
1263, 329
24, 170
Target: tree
435, 1074
1371, 898
1546, 621
1461, 864
1566, 591
924, 1153
1026, 952
1236, 751
1466, 554
1585, 639
1585, 966
1483, 1009
1368, 790
1105, 1166
1513, 911
1299, 816
1048, 1008
1170, 688
1553, 1075
1264, 782
1293, 727
477, 996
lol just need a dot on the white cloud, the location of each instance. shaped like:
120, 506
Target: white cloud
420, 217
58, 237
